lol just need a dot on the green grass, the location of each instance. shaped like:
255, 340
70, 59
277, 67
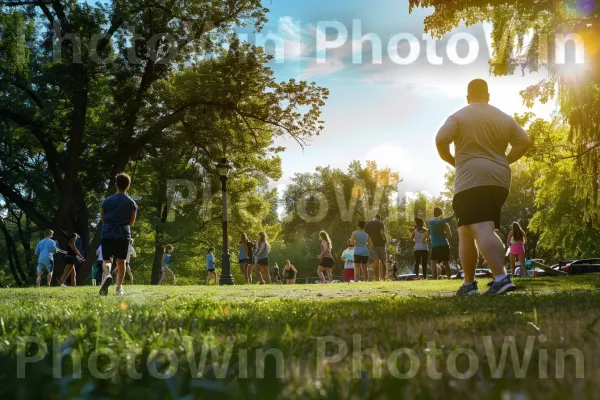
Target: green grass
423, 318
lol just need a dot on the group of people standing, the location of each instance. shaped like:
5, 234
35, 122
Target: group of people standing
253, 257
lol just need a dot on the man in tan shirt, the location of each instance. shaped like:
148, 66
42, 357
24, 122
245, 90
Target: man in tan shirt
481, 134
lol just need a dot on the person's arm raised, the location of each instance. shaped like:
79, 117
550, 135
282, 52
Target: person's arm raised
519, 144
444, 138
133, 216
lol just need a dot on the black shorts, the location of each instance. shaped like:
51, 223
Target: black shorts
479, 204
70, 260
245, 261
361, 259
117, 248
326, 262
210, 270
440, 253
263, 261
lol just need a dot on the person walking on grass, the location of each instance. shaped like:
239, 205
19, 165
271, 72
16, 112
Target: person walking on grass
45, 250
73, 256
276, 275
348, 260
166, 265
516, 242
439, 233
117, 213
211, 270
130, 253
361, 242
262, 256
326, 259
376, 231
245, 257
419, 238
289, 273
481, 134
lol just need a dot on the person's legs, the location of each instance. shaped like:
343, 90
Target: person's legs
417, 262
448, 271
468, 253
434, 270
120, 271
320, 274
49, 278
357, 267
129, 273
106, 269
523, 266
66, 273
329, 273
38, 280
490, 245
513, 266
265, 272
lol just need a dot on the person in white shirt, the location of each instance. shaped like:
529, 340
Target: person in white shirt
130, 252
348, 259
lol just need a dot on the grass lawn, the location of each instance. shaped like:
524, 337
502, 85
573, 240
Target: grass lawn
338, 341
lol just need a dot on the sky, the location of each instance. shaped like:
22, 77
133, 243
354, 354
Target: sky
380, 109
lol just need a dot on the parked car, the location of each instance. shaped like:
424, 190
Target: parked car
586, 266
532, 271
479, 273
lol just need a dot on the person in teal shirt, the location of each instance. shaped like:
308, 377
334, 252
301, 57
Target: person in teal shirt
210, 266
439, 232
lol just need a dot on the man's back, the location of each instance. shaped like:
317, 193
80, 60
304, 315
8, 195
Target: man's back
45, 250
118, 209
481, 134
373, 229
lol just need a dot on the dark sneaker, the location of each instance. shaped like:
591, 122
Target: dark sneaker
504, 286
107, 282
466, 290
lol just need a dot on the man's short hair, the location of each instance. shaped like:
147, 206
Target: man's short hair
123, 181
362, 224
478, 88
437, 212
211, 249
48, 232
378, 217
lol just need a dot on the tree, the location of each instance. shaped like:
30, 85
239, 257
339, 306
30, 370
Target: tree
81, 104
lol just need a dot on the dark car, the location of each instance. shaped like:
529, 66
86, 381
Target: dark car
585, 266
406, 277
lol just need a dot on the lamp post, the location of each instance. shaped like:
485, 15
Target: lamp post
224, 168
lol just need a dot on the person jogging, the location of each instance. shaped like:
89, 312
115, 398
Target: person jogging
481, 134
376, 231
516, 243
45, 250
439, 233
421, 250
117, 213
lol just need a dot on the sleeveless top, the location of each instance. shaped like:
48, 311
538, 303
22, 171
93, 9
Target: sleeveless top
325, 249
265, 253
419, 235
167, 259
360, 247
243, 252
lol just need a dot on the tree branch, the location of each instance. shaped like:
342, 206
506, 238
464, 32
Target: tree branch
27, 90
52, 157
27, 207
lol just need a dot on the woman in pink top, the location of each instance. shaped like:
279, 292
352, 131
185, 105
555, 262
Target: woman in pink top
325, 257
516, 241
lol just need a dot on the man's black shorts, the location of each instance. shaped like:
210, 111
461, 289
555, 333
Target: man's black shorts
114, 248
440, 254
479, 204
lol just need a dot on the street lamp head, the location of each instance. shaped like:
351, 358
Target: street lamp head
224, 168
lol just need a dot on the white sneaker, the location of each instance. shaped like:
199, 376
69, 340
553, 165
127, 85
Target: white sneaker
120, 290
63, 286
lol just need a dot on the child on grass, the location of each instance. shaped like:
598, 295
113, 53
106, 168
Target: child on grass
45, 251
166, 265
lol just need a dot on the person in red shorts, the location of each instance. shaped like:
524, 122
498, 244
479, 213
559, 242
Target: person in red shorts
348, 259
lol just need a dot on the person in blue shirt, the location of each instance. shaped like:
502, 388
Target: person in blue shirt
166, 265
439, 232
361, 241
117, 213
210, 266
262, 256
45, 250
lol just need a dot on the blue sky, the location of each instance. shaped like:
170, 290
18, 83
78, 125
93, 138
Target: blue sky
385, 112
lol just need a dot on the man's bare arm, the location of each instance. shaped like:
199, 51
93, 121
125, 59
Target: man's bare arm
519, 143
444, 138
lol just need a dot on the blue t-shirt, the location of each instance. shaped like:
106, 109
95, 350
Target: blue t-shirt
117, 214
438, 233
210, 262
243, 255
168, 257
360, 245
45, 250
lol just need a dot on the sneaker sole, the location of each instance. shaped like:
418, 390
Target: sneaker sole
509, 287
471, 293
105, 285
